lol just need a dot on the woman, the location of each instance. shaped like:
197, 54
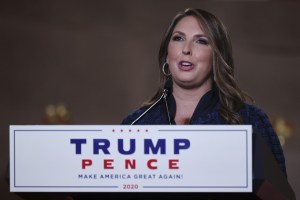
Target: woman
197, 81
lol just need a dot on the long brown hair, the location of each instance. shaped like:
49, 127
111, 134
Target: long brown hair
232, 98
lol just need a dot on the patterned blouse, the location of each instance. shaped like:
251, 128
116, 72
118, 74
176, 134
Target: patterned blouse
207, 113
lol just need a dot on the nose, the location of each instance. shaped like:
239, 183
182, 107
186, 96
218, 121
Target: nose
186, 49
184, 52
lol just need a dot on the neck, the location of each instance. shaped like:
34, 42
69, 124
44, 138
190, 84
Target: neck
186, 102
186, 96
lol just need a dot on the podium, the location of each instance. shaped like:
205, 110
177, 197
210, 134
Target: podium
267, 181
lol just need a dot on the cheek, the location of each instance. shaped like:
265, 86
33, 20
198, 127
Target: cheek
173, 52
205, 56
204, 53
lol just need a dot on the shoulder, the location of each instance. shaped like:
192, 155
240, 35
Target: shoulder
133, 115
146, 115
252, 109
252, 114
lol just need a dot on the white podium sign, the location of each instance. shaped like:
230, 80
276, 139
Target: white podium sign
125, 158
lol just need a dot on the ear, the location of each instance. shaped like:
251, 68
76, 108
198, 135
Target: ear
167, 59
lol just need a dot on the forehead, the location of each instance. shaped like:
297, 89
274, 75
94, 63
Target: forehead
189, 24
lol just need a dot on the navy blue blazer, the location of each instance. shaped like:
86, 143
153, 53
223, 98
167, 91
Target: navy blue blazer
207, 113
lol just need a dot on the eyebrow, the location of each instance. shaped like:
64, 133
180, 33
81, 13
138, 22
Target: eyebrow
181, 33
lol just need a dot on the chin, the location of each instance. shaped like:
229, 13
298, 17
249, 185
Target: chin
187, 85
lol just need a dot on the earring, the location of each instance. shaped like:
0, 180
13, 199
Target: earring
163, 69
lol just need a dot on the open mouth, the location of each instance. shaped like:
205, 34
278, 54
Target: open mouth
185, 65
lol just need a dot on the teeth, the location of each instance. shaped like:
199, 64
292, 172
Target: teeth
186, 63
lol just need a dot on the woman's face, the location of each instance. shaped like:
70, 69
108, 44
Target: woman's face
190, 55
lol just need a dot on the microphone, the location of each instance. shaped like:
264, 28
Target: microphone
168, 85
167, 89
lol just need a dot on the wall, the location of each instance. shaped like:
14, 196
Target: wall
99, 58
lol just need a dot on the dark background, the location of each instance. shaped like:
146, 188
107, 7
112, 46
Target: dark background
99, 58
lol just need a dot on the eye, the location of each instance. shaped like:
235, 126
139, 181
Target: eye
202, 41
177, 38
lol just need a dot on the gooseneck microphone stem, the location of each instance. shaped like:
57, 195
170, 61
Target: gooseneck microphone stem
164, 95
165, 99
